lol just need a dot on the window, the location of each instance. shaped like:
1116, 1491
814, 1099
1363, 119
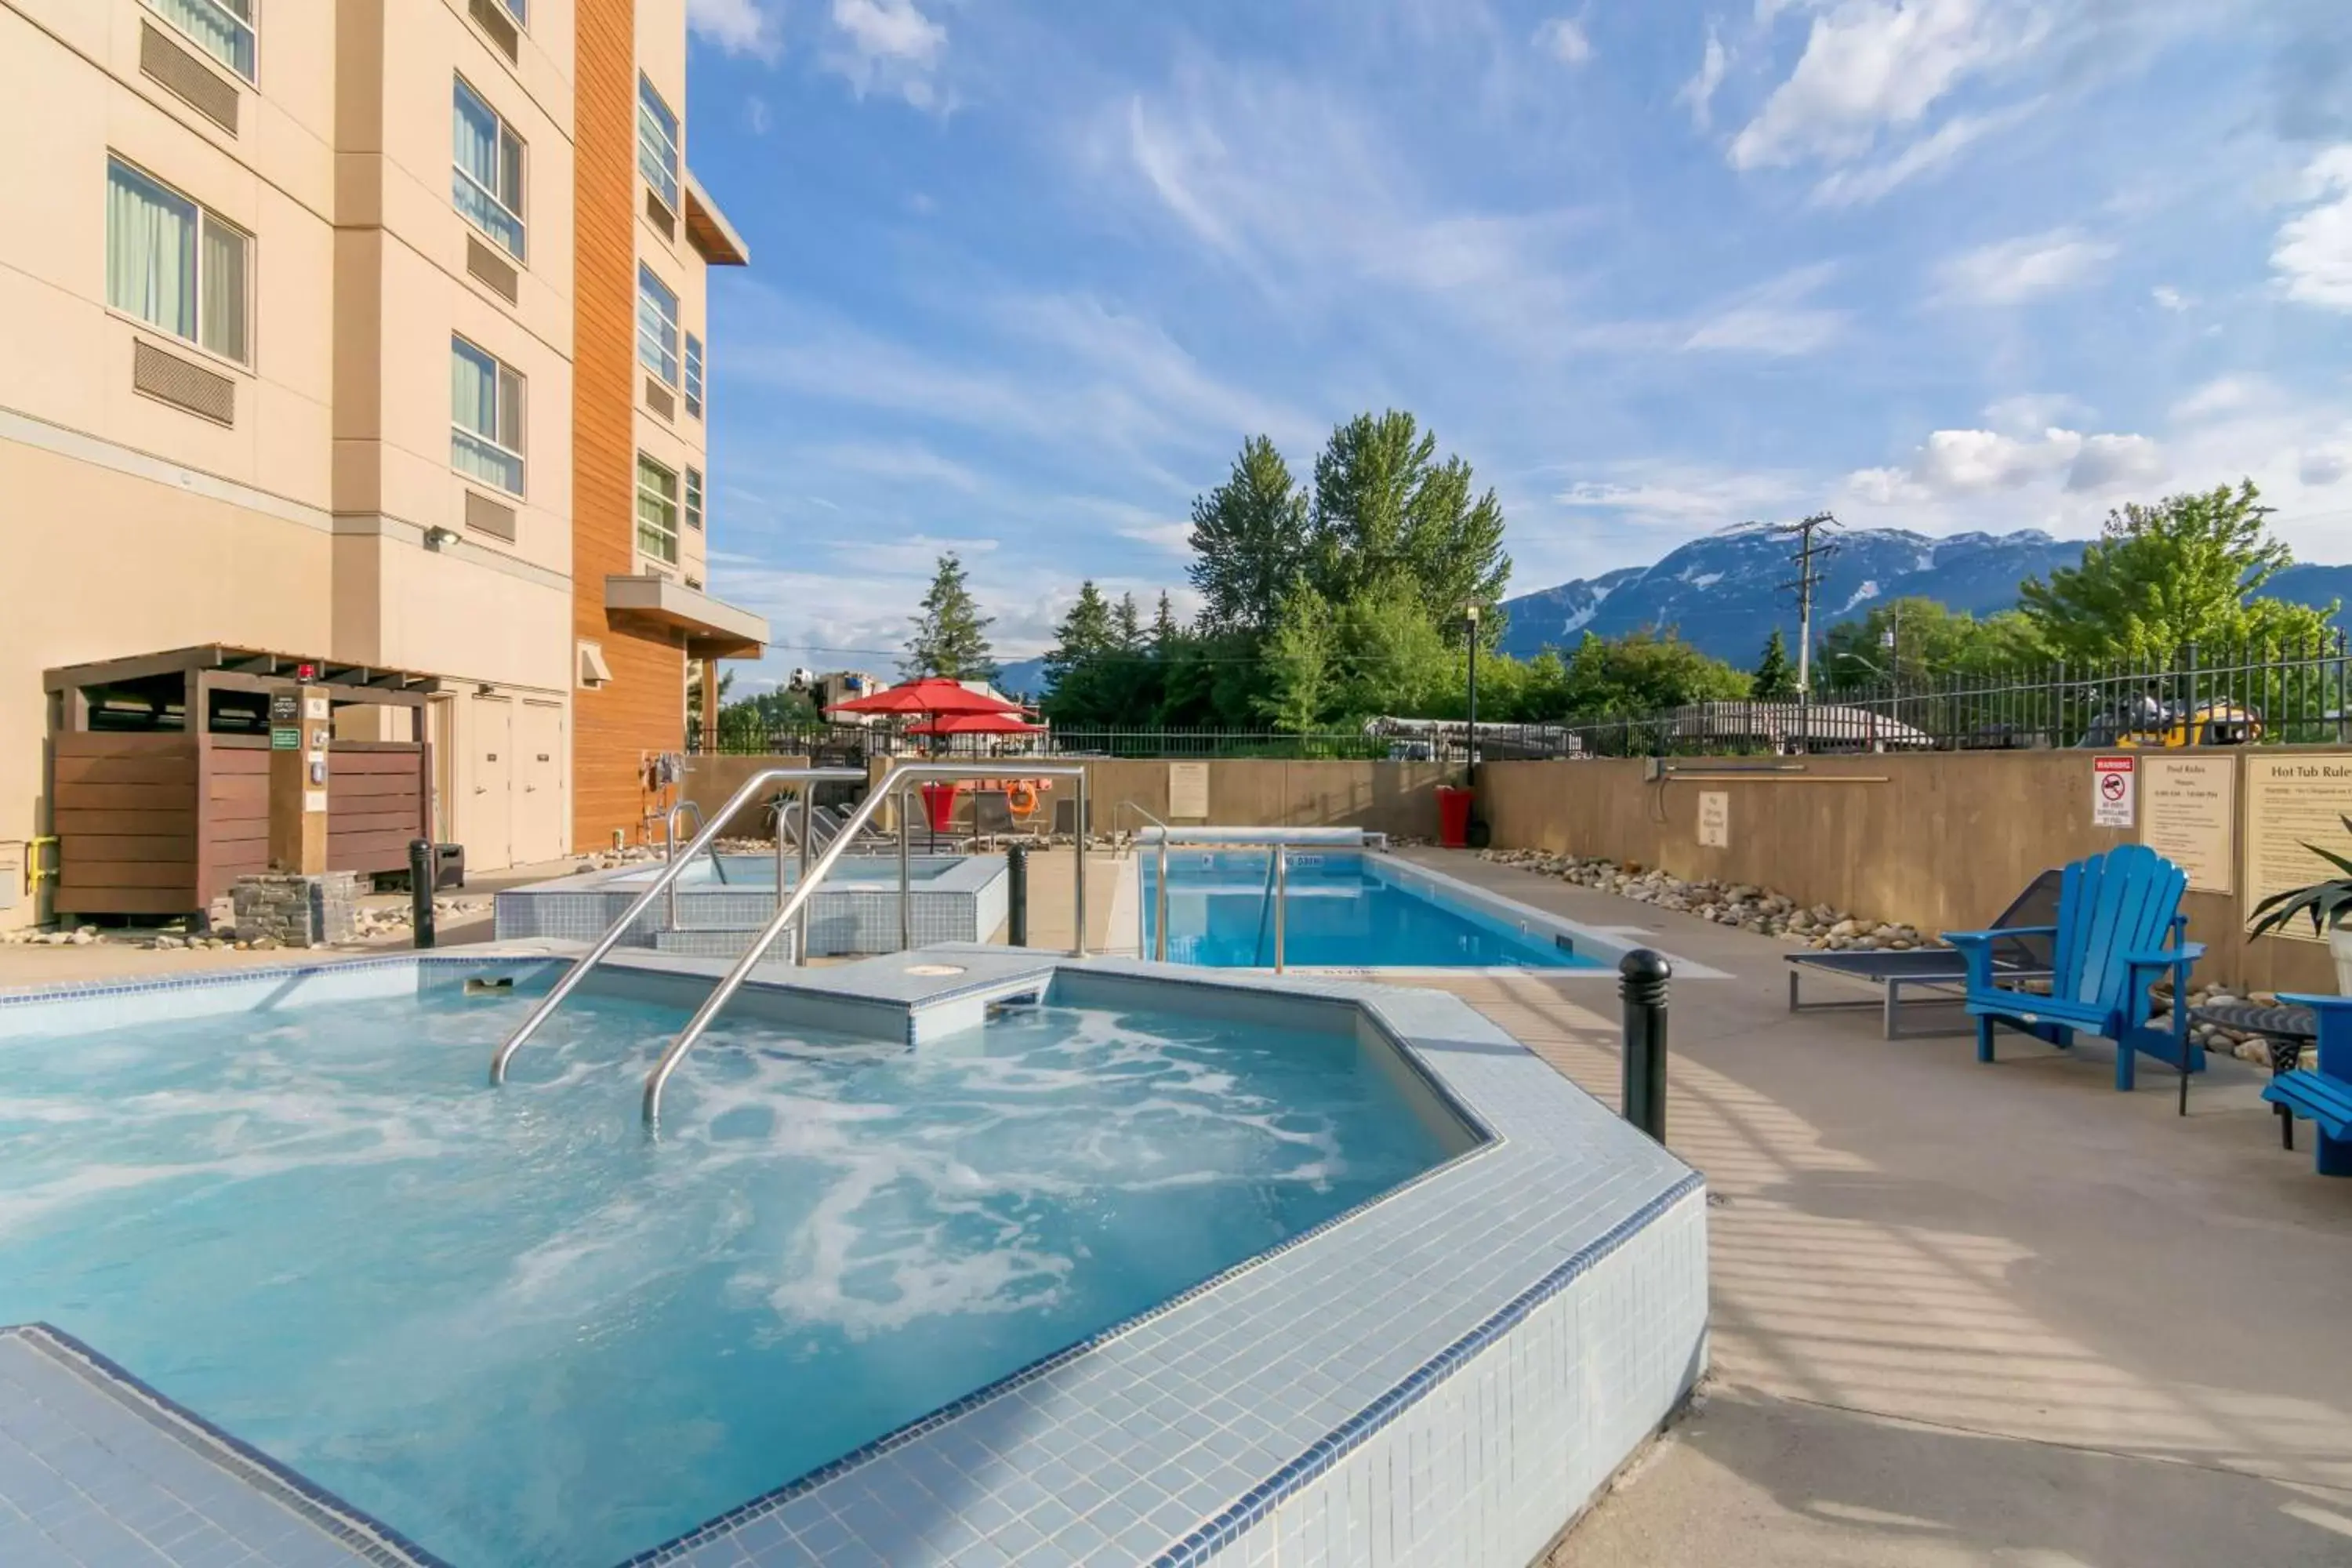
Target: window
485, 417
222, 28
174, 265
656, 143
519, 9
656, 511
694, 498
694, 375
488, 178
656, 325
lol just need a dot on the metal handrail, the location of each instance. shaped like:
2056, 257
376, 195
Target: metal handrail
669, 845
893, 783
571, 978
1278, 894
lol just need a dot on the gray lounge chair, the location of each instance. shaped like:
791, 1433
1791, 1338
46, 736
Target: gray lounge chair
1936, 969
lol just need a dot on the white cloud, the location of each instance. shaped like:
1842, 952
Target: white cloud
1564, 39
2313, 257
1871, 67
2224, 394
1299, 190
1699, 94
2324, 466
2168, 298
1957, 465
2012, 271
887, 46
738, 26
2107, 462
1930, 154
1776, 319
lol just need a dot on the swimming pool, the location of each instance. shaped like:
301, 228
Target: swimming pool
514, 1329
1346, 909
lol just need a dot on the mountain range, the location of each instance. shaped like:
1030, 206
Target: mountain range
1727, 593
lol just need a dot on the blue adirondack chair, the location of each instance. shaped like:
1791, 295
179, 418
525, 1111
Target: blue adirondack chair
2324, 1094
2119, 927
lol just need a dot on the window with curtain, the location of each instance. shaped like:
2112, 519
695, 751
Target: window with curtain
488, 178
656, 511
694, 498
222, 28
656, 325
174, 266
694, 375
485, 417
520, 10
657, 143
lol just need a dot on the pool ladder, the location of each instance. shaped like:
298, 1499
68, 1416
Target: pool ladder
1277, 895
893, 785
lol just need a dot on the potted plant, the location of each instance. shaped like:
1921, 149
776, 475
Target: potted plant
2329, 905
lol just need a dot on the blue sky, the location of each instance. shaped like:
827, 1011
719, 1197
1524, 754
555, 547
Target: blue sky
1026, 273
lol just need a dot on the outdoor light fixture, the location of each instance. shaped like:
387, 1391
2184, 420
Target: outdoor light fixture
439, 538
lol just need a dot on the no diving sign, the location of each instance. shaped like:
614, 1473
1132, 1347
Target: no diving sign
2116, 791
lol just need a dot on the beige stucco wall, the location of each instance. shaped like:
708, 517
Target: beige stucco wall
1944, 841
172, 560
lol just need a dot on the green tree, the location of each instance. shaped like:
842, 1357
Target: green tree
1083, 637
2188, 569
1642, 672
1385, 508
1391, 658
1775, 680
1911, 640
1249, 540
1127, 625
950, 634
1299, 685
1164, 629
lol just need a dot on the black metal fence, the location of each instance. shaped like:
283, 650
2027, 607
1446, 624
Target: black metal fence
2253, 696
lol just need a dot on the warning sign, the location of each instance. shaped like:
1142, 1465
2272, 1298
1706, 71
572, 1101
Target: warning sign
2114, 791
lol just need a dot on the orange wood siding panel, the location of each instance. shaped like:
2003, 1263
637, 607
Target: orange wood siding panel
643, 709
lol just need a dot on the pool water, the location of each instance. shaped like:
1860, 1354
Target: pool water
1341, 911
519, 1332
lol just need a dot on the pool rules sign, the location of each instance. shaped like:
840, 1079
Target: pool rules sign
2114, 791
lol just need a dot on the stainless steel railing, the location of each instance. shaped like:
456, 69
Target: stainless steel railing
669, 846
1277, 892
894, 784
661, 885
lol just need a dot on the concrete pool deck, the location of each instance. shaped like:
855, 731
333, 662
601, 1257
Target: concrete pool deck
1962, 1313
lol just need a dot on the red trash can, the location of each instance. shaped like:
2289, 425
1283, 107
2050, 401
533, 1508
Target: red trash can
1453, 817
939, 802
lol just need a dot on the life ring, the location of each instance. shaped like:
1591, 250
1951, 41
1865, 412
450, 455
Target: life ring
1020, 799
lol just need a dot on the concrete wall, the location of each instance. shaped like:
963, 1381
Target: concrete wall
1396, 798
1943, 841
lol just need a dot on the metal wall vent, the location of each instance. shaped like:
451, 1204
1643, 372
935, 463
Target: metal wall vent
184, 77
170, 379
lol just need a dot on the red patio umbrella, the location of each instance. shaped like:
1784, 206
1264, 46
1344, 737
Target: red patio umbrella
935, 695
946, 702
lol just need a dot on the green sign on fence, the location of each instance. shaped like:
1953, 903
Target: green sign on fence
285, 740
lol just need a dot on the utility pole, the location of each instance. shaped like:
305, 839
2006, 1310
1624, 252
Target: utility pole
1811, 552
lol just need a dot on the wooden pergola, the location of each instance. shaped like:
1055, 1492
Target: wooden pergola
158, 774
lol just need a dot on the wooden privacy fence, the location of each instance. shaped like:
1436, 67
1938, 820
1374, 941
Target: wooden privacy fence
163, 823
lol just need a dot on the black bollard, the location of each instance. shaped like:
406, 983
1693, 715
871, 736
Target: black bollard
420, 890
1642, 983
1016, 861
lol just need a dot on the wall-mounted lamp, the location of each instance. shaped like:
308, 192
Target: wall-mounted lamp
438, 538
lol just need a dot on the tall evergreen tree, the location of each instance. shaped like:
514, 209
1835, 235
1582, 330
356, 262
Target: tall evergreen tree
1084, 635
1249, 540
1127, 625
1164, 630
950, 634
1385, 508
1776, 679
